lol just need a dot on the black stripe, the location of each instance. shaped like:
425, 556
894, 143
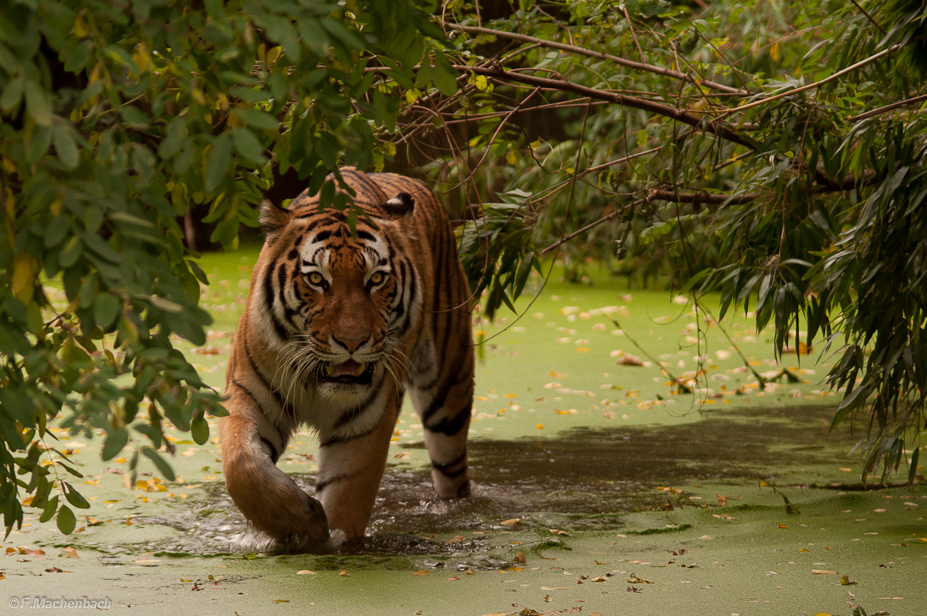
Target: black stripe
257, 405
289, 410
450, 427
269, 296
438, 401
445, 468
355, 412
248, 392
288, 312
368, 183
275, 455
338, 440
321, 485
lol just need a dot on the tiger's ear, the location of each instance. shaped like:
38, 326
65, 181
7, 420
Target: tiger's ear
400, 205
273, 218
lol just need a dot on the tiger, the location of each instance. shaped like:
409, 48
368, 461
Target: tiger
348, 311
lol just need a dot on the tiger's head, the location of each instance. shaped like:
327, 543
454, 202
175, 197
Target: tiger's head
337, 301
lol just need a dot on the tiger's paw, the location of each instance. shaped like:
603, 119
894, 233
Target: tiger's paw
298, 529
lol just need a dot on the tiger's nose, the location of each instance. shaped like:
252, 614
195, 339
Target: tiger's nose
351, 344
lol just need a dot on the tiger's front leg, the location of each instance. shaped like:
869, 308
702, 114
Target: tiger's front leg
350, 470
269, 499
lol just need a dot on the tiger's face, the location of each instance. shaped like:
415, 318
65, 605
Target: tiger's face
350, 290
342, 304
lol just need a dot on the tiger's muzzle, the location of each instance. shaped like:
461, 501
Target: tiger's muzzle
348, 372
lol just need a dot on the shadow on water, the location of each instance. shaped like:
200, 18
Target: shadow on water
586, 478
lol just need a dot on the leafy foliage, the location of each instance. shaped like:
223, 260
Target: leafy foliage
769, 151
115, 119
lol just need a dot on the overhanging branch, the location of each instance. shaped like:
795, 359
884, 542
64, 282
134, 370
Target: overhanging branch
640, 66
721, 130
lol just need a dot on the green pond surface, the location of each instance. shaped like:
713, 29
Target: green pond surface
598, 488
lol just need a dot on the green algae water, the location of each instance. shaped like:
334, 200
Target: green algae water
600, 486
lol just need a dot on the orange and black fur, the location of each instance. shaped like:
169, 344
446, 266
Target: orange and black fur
340, 323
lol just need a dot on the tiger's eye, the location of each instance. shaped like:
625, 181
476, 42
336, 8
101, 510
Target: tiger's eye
315, 278
376, 278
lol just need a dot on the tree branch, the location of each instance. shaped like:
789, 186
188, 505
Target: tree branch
818, 84
639, 66
699, 197
702, 123
591, 225
869, 17
886, 108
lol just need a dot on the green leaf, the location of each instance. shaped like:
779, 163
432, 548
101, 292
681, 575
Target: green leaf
70, 253
38, 144
162, 303
50, 508
199, 429
56, 230
74, 497
162, 465
12, 93
114, 442
248, 145
218, 161
38, 103
445, 77
66, 520
105, 310
66, 147
256, 118
198, 271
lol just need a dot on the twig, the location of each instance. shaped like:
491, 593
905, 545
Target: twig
818, 84
702, 123
886, 108
869, 17
597, 54
591, 225
627, 18
585, 172
499, 128
699, 197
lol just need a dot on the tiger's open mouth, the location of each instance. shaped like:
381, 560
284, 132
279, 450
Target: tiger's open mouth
349, 373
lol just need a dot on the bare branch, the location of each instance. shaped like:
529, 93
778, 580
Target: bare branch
640, 66
702, 123
887, 108
699, 197
591, 225
627, 18
869, 17
818, 84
